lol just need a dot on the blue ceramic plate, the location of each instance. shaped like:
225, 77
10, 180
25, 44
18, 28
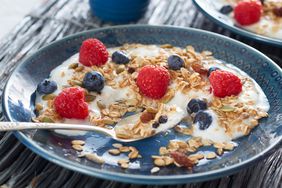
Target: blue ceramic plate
18, 101
209, 8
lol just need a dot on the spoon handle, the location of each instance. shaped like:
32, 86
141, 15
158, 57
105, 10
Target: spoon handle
12, 126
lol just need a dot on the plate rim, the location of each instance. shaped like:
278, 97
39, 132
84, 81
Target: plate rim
131, 178
245, 33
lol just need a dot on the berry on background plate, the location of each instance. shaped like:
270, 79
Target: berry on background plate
70, 103
93, 52
153, 81
248, 12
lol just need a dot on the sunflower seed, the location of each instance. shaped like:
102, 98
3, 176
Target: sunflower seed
48, 97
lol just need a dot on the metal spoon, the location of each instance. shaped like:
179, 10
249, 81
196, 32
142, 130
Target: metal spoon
12, 126
127, 121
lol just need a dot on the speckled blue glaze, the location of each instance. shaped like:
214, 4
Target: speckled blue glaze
209, 10
56, 148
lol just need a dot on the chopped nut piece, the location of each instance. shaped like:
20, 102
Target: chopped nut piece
182, 159
199, 68
146, 117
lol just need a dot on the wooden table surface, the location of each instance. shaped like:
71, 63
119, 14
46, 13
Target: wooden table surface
19, 167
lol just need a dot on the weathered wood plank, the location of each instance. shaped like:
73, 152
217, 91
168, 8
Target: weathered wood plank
56, 19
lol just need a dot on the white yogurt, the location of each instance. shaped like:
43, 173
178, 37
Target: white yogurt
214, 132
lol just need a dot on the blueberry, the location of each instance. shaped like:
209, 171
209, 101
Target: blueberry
196, 105
175, 62
120, 57
203, 120
155, 125
212, 69
226, 9
163, 119
46, 87
93, 81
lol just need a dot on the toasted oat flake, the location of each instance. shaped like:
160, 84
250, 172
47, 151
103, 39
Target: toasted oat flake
124, 149
114, 151
133, 154
159, 162
219, 151
78, 142
163, 151
228, 146
77, 147
218, 145
211, 155
124, 165
94, 157
121, 161
117, 145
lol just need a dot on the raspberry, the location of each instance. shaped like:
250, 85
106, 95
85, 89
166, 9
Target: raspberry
153, 81
93, 52
225, 83
70, 103
248, 12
